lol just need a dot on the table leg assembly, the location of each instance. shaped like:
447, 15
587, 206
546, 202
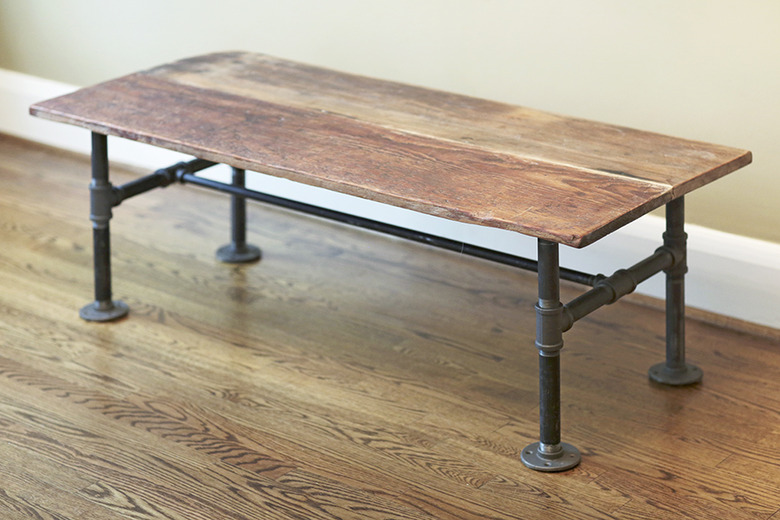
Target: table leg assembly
553, 318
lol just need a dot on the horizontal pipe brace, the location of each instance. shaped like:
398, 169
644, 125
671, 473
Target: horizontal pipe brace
609, 289
159, 179
373, 225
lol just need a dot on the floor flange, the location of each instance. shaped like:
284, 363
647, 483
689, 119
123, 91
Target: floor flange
230, 254
686, 375
567, 458
104, 311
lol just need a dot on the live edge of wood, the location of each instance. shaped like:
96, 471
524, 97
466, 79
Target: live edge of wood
563, 179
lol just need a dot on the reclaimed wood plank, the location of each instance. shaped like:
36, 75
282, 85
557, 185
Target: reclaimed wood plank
470, 160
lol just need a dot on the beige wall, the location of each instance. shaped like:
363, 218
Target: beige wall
702, 69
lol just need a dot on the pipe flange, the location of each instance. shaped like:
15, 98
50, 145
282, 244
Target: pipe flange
232, 254
541, 457
685, 375
104, 311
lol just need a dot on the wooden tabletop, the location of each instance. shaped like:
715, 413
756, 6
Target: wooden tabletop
563, 179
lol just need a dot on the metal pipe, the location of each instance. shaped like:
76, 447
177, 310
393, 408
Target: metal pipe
675, 370
100, 214
549, 342
608, 290
159, 179
238, 251
549, 454
135, 187
675, 237
101, 202
373, 225
550, 401
238, 211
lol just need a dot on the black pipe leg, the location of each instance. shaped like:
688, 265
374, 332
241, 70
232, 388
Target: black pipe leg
238, 251
675, 371
101, 202
549, 454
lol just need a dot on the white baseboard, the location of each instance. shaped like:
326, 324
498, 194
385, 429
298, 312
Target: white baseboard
729, 274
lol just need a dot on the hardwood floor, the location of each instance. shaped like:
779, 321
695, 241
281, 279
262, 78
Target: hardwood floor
347, 375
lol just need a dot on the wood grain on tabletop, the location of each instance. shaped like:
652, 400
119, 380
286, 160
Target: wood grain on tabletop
554, 177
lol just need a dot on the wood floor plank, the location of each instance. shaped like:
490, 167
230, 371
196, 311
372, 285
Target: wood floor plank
32, 487
125, 473
399, 447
